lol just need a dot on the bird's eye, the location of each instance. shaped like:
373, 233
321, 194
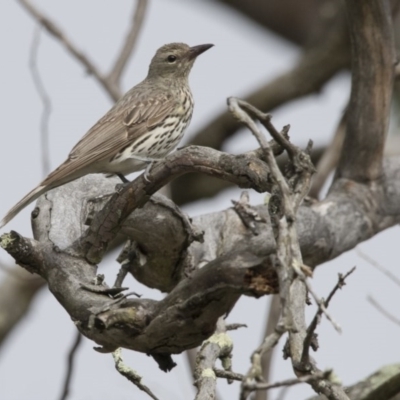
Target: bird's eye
171, 58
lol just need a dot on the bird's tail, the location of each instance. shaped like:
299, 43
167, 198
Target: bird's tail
29, 198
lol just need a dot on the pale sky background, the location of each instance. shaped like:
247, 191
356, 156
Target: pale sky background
33, 360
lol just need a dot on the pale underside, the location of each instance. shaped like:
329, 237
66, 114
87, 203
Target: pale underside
134, 132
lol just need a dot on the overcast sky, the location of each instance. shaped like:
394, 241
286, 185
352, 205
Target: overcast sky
33, 361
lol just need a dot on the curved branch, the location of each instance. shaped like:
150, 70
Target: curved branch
244, 170
373, 61
350, 214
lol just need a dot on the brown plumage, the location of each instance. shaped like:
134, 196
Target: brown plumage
144, 125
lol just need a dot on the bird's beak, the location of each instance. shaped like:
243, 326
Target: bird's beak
197, 50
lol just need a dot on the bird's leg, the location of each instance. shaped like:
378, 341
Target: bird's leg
147, 171
149, 161
122, 177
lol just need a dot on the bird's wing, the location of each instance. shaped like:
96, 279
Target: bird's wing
122, 125
150, 112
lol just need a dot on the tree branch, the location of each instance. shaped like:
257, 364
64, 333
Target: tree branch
243, 170
16, 295
383, 311
70, 365
310, 339
218, 346
316, 66
56, 32
349, 215
130, 374
373, 61
266, 359
115, 74
382, 384
44, 123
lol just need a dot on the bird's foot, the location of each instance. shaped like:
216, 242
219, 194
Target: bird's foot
100, 287
150, 165
147, 172
120, 186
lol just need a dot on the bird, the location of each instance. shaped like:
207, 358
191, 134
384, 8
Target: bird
143, 126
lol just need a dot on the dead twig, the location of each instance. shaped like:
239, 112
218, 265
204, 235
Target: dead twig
379, 267
290, 382
383, 311
70, 366
233, 376
130, 374
131, 39
308, 341
52, 28
266, 360
289, 191
44, 97
320, 302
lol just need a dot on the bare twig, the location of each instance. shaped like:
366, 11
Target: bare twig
130, 374
378, 266
247, 214
290, 382
218, 346
383, 311
237, 108
313, 325
320, 302
221, 373
56, 32
126, 52
38, 82
282, 393
290, 192
70, 366
266, 359
233, 327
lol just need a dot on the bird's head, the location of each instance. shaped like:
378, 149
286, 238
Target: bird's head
175, 60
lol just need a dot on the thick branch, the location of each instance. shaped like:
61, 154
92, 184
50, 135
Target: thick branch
243, 170
373, 60
189, 188
180, 321
350, 214
382, 385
